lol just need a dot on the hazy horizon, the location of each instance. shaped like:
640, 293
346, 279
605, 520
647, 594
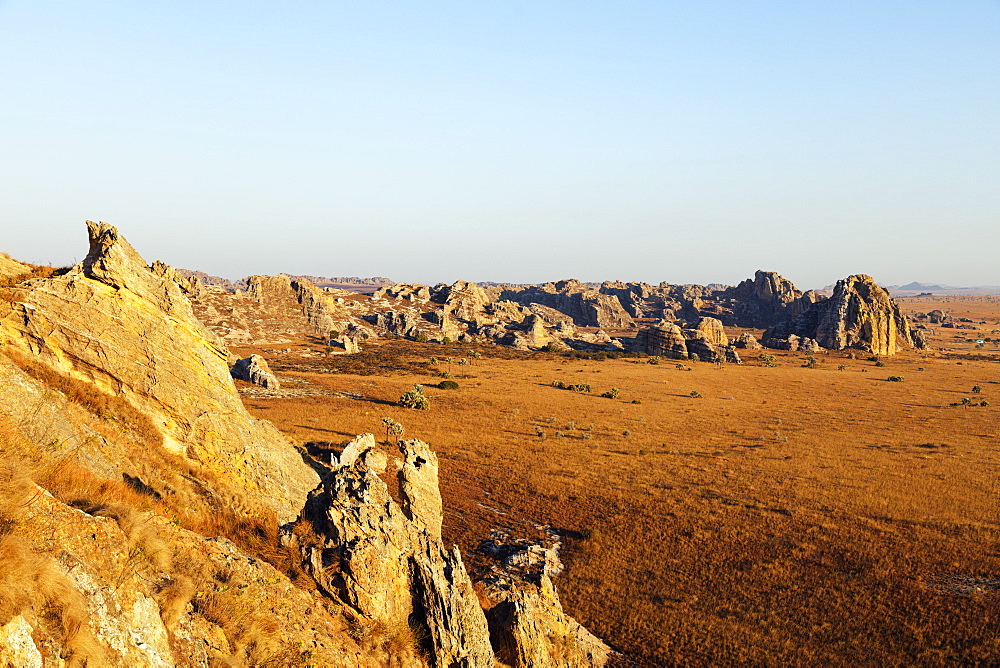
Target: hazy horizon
522, 143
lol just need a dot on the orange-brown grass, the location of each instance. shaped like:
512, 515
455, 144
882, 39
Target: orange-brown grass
790, 515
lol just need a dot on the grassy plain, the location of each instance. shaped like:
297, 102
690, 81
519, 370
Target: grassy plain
789, 515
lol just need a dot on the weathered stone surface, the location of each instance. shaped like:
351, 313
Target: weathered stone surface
398, 323
254, 369
379, 557
747, 341
586, 306
463, 300
529, 627
860, 314
711, 329
112, 322
418, 484
766, 299
319, 309
665, 339
411, 292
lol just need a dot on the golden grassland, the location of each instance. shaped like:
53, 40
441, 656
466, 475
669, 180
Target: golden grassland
786, 515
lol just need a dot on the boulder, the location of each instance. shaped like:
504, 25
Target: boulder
254, 369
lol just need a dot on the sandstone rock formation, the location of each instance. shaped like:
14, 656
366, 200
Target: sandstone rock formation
585, 306
384, 559
665, 339
387, 562
254, 369
128, 331
860, 314
766, 300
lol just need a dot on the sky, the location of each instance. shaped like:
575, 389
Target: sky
689, 142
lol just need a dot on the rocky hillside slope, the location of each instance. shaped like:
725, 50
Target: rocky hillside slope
147, 519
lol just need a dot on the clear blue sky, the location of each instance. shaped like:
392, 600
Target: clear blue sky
511, 141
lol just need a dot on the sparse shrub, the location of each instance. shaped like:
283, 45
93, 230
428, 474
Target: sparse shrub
653, 360
446, 341
552, 347
415, 399
570, 426
448, 385
679, 366
642, 452
637, 401
463, 362
559, 384
586, 435
539, 432
811, 362
768, 360
880, 363
558, 434
841, 367
445, 374
976, 389
694, 357
421, 338
874, 358
695, 394
611, 394
984, 403
626, 433
895, 379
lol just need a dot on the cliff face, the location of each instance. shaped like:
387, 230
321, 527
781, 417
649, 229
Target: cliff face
128, 331
860, 314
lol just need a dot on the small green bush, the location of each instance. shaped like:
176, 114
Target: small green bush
976, 389
695, 394
895, 379
637, 401
448, 385
421, 338
611, 394
880, 363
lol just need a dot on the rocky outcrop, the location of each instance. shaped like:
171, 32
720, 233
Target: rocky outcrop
766, 299
711, 330
463, 300
530, 629
398, 323
411, 292
860, 314
127, 331
747, 341
319, 309
254, 369
587, 307
665, 339
385, 559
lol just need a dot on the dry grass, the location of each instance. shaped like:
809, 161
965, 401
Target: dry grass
86, 395
791, 515
31, 583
